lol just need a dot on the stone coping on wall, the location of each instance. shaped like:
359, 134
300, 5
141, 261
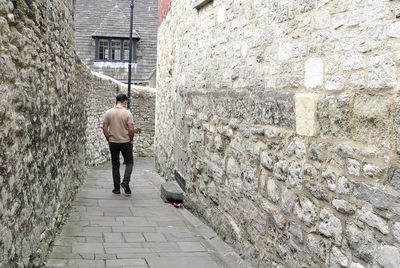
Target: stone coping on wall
119, 83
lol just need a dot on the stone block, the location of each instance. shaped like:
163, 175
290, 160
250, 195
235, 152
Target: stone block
288, 200
343, 185
334, 82
377, 197
357, 80
343, 206
330, 226
249, 181
322, 19
362, 242
280, 170
297, 147
306, 211
397, 124
221, 14
306, 5
372, 120
381, 72
352, 62
305, 110
266, 161
170, 191
393, 30
353, 167
373, 220
297, 232
334, 115
356, 265
396, 231
232, 168
319, 246
273, 191
337, 257
388, 256
284, 50
394, 177
314, 73
317, 152
371, 170
294, 174
275, 109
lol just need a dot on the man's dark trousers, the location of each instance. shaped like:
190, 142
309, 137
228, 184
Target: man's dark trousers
127, 153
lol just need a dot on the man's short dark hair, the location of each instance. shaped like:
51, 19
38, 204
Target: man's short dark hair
121, 97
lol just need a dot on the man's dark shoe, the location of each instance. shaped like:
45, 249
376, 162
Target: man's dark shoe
116, 191
125, 186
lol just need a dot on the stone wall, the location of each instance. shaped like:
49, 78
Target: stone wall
46, 120
283, 118
42, 126
102, 91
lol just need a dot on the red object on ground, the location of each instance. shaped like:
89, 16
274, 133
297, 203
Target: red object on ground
177, 205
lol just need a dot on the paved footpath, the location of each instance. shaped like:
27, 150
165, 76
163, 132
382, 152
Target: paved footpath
140, 230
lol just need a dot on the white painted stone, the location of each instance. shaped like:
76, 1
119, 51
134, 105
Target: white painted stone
314, 73
305, 109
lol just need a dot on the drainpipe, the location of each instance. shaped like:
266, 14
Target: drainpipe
130, 58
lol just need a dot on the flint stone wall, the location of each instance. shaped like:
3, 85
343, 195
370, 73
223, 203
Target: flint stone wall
283, 118
46, 125
42, 126
102, 91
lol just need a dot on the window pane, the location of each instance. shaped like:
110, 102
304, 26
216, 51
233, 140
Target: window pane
116, 50
103, 49
126, 50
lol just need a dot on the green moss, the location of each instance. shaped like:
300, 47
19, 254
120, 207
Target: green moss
143, 153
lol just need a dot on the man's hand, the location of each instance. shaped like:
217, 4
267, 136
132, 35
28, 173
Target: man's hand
131, 131
105, 131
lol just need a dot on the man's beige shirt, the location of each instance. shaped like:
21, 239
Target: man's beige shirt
117, 119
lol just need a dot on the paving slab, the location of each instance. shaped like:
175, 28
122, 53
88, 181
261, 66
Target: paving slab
137, 230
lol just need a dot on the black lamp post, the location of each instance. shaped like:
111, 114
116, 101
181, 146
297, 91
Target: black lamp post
130, 58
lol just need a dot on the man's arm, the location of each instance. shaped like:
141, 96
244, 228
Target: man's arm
131, 131
105, 131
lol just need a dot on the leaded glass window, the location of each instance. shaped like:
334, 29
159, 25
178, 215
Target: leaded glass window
103, 49
116, 50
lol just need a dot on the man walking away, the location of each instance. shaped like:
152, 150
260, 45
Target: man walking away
119, 131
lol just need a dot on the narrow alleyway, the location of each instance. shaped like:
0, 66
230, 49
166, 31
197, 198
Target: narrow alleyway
107, 230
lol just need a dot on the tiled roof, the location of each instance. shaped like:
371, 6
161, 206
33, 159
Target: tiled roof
115, 24
89, 16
